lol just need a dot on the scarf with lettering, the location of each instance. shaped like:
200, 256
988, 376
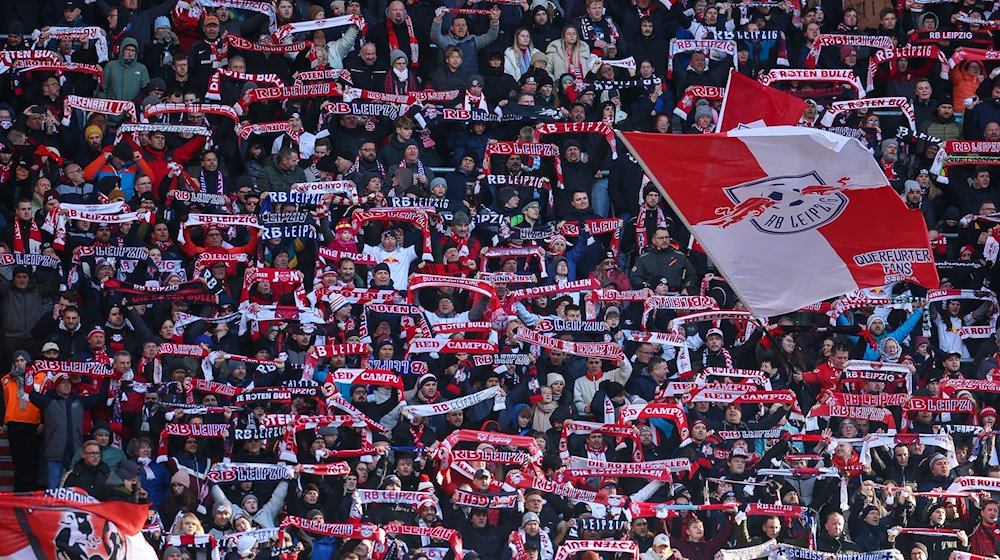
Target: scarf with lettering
317, 24
9, 58
979, 37
94, 105
444, 407
207, 108
589, 33
876, 42
38, 65
284, 93
692, 95
365, 531
258, 6
842, 75
188, 430
901, 103
248, 472
93, 33
414, 45
532, 149
286, 48
417, 218
214, 83
909, 51
678, 46
599, 127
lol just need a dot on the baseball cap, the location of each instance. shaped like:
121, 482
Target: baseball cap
209, 20
50, 346
714, 330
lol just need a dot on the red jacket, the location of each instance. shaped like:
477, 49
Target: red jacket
825, 376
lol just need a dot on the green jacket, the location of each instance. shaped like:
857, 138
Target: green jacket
125, 80
272, 178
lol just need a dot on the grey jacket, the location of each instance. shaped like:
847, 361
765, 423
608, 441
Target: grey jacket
23, 308
470, 44
63, 419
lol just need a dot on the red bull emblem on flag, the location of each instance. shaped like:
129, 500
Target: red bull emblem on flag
805, 205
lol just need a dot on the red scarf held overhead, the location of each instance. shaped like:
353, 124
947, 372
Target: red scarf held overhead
414, 46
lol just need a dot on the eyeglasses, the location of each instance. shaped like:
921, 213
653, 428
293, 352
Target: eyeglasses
91, 452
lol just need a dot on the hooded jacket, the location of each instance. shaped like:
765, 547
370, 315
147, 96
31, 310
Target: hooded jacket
125, 79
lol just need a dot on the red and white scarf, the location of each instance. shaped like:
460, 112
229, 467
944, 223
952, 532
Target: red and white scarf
843, 75
93, 33
207, 108
213, 93
444, 407
242, 44
599, 127
416, 217
317, 24
188, 430
94, 105
909, 51
414, 45
9, 58
876, 42
34, 242
37, 65
284, 93
839, 107
533, 149
678, 46
603, 350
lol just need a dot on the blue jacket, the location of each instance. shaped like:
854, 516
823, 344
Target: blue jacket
900, 334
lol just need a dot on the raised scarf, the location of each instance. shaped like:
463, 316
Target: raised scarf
877, 42
214, 83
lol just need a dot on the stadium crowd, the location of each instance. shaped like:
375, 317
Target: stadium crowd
364, 280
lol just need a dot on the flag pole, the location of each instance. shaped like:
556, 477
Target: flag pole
725, 101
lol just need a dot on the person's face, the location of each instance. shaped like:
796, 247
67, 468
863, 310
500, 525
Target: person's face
369, 54
581, 201
991, 512
839, 359
812, 31
772, 527
92, 455
698, 61
429, 389
210, 162
112, 21
24, 211
397, 12
834, 525
51, 87
459, 28
695, 531
595, 10
946, 110
479, 519
923, 90
541, 17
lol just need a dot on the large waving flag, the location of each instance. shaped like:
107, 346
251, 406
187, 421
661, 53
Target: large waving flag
756, 105
66, 523
790, 215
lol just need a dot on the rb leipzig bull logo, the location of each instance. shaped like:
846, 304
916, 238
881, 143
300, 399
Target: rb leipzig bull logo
785, 204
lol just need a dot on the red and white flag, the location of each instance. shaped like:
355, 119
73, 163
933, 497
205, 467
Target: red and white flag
805, 206
67, 523
758, 105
